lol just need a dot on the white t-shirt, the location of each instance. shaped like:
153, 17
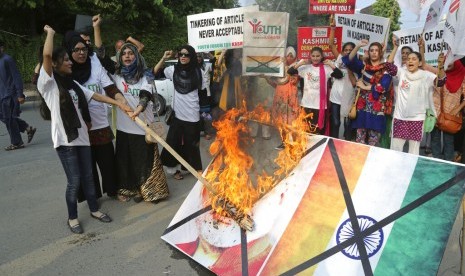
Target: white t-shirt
48, 88
414, 94
311, 76
186, 106
342, 92
131, 93
97, 81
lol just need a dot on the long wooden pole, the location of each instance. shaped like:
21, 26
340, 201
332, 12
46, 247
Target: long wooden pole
462, 265
244, 220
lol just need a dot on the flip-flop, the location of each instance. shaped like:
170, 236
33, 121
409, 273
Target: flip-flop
178, 176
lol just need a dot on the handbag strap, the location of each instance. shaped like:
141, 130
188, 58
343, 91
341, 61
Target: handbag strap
356, 97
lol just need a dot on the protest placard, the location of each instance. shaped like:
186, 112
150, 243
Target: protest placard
220, 29
356, 27
309, 37
432, 38
331, 6
265, 38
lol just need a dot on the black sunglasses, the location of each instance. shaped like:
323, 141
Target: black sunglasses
184, 55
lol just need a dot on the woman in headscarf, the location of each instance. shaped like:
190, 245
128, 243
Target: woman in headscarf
139, 170
184, 133
89, 72
65, 104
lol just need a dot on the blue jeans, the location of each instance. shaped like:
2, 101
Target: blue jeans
447, 147
77, 163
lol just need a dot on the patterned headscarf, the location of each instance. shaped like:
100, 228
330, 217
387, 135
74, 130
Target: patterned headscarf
135, 71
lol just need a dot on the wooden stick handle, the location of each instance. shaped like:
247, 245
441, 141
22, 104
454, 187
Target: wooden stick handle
175, 155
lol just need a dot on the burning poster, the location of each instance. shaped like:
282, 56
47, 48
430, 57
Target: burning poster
344, 209
265, 38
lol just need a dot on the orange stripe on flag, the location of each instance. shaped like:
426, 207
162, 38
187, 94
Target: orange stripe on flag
319, 212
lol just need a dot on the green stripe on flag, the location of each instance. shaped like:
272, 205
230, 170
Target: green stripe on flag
425, 230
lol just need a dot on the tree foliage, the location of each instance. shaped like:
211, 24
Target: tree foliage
159, 24
298, 15
388, 9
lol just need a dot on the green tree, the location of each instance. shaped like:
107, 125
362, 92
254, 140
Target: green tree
298, 15
388, 9
159, 24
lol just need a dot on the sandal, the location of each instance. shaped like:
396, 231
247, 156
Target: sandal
30, 133
14, 147
178, 176
123, 198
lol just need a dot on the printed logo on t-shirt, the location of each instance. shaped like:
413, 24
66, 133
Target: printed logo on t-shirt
133, 91
312, 78
126, 87
95, 87
405, 85
74, 97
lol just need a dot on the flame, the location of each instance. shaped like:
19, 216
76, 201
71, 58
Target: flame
229, 173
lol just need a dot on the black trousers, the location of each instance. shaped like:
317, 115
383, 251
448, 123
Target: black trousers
184, 138
103, 156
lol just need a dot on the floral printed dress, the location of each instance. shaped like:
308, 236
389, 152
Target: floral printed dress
373, 104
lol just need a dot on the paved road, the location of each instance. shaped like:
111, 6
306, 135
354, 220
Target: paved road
34, 238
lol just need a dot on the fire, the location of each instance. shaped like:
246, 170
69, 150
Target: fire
229, 173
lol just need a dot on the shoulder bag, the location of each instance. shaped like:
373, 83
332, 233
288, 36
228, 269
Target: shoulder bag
447, 122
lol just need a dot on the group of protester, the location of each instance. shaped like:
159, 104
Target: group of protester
75, 81
74, 84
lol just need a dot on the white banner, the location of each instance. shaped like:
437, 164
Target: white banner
454, 30
434, 14
220, 29
415, 6
356, 27
432, 38
265, 39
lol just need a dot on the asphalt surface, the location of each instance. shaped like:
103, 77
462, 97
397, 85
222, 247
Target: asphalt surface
35, 239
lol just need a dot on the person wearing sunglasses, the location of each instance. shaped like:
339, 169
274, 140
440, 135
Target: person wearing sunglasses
89, 72
184, 132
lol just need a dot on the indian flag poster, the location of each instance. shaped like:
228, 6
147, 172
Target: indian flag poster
265, 38
345, 209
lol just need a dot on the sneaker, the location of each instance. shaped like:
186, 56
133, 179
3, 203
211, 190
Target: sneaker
280, 147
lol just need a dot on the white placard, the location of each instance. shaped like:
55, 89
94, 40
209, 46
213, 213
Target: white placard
265, 38
356, 27
216, 30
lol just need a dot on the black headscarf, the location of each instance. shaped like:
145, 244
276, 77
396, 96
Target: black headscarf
81, 72
187, 77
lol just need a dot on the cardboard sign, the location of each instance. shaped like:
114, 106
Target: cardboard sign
331, 6
265, 39
432, 38
309, 37
356, 27
220, 29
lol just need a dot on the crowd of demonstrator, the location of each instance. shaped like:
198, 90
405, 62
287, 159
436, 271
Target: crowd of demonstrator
76, 79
